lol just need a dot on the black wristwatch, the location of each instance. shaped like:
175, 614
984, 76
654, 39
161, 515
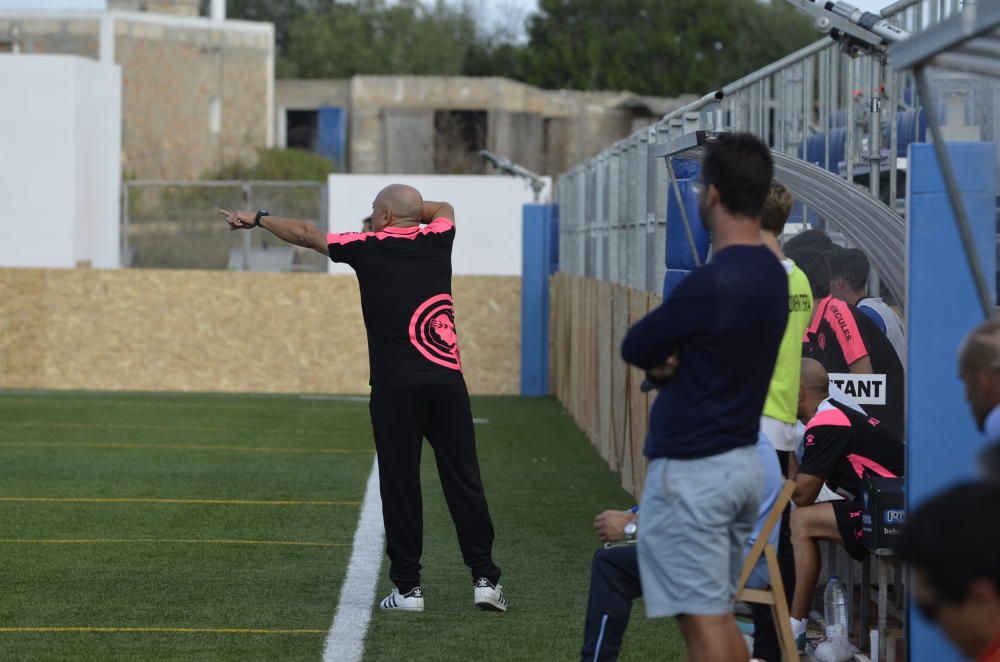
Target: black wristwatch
260, 213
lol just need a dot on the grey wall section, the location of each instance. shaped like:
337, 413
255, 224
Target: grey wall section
519, 136
408, 141
545, 130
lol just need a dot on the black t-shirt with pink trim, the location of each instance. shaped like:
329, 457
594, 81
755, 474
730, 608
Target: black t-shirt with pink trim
839, 335
840, 444
405, 280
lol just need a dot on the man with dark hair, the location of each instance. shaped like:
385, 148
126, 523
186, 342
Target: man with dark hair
418, 391
951, 541
815, 239
849, 269
840, 445
716, 337
845, 341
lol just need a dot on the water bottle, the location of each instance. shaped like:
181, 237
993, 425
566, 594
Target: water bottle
835, 605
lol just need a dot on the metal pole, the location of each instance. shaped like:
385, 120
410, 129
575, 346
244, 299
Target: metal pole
125, 259
781, 130
875, 130
651, 209
684, 217
833, 65
824, 97
893, 83
961, 218
807, 103
765, 99
897, 7
849, 152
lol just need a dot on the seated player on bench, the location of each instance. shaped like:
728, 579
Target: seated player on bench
840, 445
614, 578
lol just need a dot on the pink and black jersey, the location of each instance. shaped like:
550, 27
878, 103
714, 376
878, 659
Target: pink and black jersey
840, 335
405, 280
840, 444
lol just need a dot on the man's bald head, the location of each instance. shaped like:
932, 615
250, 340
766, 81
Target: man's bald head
979, 369
814, 378
814, 388
396, 203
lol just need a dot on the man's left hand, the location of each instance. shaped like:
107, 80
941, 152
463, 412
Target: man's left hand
239, 220
610, 525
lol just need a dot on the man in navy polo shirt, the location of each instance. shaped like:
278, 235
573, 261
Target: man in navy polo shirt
404, 272
718, 334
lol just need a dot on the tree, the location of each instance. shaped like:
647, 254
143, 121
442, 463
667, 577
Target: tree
662, 47
278, 164
659, 47
330, 39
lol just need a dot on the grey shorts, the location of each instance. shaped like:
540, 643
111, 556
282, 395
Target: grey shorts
694, 522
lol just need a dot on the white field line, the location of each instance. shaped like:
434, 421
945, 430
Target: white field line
346, 639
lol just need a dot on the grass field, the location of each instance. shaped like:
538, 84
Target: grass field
214, 527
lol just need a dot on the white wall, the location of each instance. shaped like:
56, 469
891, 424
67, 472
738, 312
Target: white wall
487, 215
60, 171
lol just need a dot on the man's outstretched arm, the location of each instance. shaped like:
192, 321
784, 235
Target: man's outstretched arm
291, 230
434, 210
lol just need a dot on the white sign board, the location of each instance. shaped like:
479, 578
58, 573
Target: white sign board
865, 389
487, 215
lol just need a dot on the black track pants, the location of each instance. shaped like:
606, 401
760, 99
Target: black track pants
435, 406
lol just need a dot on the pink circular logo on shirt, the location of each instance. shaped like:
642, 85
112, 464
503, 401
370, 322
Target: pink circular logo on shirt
433, 333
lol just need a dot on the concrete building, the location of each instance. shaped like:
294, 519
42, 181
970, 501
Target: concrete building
196, 92
437, 125
200, 92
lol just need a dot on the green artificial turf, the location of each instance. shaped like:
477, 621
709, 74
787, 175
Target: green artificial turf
544, 483
164, 564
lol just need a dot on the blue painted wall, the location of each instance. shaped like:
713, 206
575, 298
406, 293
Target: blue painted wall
942, 439
540, 259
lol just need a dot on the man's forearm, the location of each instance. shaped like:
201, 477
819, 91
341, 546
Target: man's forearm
432, 210
291, 230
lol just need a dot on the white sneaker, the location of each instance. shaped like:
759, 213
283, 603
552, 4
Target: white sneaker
489, 597
412, 601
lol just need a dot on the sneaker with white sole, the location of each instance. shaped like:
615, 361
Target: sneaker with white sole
412, 601
488, 596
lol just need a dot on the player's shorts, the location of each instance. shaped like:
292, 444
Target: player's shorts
695, 519
783, 436
848, 515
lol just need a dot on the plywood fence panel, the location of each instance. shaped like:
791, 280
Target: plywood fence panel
606, 357
590, 319
217, 331
619, 385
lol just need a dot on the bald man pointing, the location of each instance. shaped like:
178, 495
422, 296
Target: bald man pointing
404, 272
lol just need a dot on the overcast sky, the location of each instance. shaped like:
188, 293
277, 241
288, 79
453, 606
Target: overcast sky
495, 9
502, 12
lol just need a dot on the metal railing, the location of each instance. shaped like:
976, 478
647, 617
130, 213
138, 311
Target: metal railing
851, 117
175, 224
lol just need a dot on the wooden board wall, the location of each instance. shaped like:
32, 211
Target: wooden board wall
217, 331
589, 321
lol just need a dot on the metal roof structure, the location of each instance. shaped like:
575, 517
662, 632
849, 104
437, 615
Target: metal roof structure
968, 42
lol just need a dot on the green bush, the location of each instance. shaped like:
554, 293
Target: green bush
278, 164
